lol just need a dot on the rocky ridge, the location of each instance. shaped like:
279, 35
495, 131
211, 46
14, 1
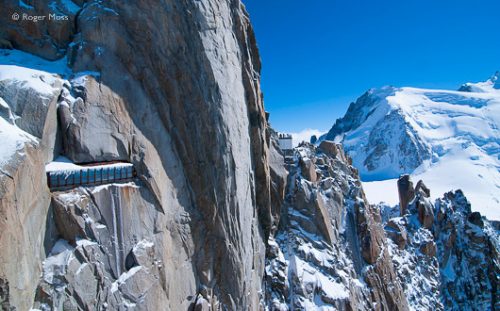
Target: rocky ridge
446, 255
330, 249
334, 251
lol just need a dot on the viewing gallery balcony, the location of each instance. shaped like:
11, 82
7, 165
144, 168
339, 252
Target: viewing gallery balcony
62, 174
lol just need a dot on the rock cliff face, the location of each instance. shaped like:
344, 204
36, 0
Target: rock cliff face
171, 86
28, 137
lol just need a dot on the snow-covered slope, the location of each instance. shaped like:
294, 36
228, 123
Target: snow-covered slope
450, 139
24, 78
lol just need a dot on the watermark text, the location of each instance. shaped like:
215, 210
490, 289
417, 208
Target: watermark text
37, 18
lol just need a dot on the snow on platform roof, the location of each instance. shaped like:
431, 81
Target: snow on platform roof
63, 164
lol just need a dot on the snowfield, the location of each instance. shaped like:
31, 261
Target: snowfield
449, 139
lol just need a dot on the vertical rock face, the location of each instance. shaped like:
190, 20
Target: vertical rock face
24, 205
278, 179
406, 193
173, 87
28, 140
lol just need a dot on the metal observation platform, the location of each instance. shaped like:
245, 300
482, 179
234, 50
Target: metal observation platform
62, 174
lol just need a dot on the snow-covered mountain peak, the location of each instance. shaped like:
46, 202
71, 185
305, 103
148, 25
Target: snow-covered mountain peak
450, 139
490, 85
496, 80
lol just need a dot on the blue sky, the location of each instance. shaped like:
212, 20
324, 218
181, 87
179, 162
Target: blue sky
319, 55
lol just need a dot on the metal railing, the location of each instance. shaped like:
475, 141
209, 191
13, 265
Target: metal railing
91, 176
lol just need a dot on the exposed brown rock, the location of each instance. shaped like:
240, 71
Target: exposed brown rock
370, 234
422, 189
329, 148
334, 150
425, 213
428, 248
308, 169
397, 232
176, 93
324, 223
475, 218
322, 220
406, 193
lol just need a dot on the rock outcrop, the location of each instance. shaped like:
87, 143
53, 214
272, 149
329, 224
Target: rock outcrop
449, 257
111, 252
406, 193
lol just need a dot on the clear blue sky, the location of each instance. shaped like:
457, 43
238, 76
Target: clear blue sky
319, 55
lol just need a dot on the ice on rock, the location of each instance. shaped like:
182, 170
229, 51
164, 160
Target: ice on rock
13, 141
